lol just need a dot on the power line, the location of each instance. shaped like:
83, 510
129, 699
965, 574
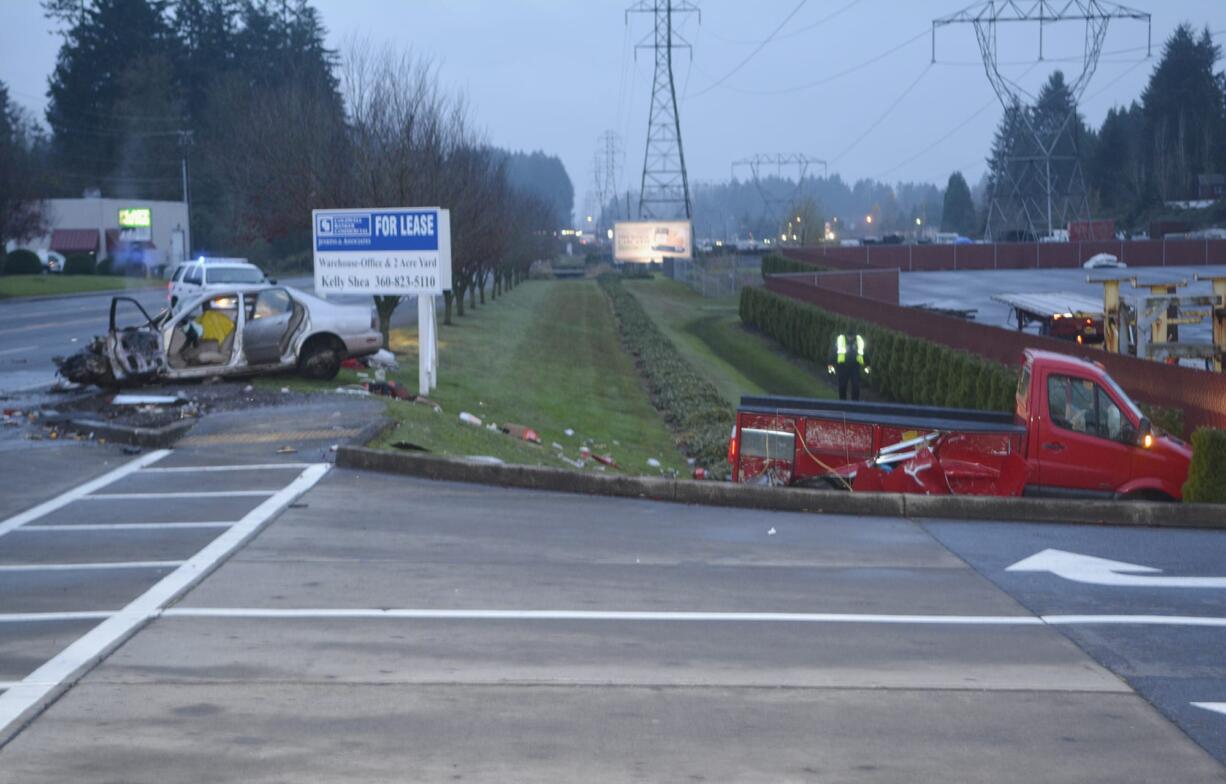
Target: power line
791, 33
884, 114
754, 53
834, 76
948, 134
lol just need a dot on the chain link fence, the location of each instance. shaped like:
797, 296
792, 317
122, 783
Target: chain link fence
716, 276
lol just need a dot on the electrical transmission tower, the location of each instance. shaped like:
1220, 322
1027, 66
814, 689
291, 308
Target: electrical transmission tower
1027, 197
665, 189
606, 164
785, 164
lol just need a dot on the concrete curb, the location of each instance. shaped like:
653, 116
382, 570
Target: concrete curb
685, 491
150, 437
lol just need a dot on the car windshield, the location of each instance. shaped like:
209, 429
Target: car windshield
235, 275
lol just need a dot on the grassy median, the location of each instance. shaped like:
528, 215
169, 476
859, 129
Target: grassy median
544, 355
709, 333
53, 284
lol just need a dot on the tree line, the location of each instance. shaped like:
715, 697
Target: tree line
272, 123
1145, 154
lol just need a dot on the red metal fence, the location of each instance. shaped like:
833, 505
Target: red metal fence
1200, 394
880, 285
1013, 255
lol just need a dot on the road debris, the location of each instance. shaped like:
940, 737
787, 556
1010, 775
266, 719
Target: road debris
569, 432
286, 450
521, 432
653, 463
408, 446
469, 419
772, 531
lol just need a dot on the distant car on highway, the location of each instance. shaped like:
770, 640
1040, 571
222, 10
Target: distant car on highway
194, 277
1104, 261
229, 331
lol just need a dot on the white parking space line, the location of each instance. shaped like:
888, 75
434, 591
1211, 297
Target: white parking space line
240, 467
23, 701
702, 617
55, 616
80, 491
199, 494
16, 350
123, 526
64, 567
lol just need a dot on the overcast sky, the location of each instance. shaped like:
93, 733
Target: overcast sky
555, 74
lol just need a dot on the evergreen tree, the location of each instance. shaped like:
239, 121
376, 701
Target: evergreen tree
21, 212
1184, 108
104, 39
958, 214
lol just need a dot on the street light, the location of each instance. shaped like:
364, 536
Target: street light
868, 219
919, 222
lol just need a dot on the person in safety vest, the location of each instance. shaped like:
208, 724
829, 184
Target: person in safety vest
850, 359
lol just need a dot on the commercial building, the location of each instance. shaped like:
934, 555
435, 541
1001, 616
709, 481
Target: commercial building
154, 234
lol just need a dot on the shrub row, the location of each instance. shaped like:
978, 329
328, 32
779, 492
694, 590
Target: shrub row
774, 264
79, 264
904, 369
690, 403
1207, 475
22, 262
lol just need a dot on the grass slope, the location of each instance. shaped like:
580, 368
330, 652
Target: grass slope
545, 355
710, 335
55, 284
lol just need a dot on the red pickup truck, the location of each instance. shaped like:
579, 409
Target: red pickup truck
1074, 433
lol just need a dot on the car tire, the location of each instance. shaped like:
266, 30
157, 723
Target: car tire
319, 361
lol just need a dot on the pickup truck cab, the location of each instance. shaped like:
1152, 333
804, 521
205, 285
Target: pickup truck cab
1074, 433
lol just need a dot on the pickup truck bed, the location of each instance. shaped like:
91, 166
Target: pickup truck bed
890, 414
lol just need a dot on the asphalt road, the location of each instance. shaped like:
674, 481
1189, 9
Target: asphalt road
32, 332
389, 629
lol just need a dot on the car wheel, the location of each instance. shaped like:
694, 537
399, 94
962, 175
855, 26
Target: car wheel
319, 361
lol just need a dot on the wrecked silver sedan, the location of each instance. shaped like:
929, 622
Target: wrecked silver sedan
242, 331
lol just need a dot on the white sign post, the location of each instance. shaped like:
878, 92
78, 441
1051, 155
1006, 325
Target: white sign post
388, 252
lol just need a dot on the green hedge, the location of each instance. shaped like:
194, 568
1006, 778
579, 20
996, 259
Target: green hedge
904, 369
1207, 475
689, 402
79, 264
774, 264
22, 262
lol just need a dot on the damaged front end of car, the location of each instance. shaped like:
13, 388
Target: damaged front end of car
128, 355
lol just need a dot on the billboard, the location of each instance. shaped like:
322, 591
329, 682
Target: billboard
404, 251
136, 224
652, 241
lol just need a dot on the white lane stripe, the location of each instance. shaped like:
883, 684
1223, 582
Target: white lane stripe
124, 526
23, 701
1216, 707
200, 494
211, 468
93, 615
1134, 620
704, 617
16, 350
64, 499
67, 567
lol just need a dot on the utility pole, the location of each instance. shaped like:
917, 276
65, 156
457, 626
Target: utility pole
665, 189
185, 141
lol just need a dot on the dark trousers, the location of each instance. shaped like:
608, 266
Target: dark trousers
848, 374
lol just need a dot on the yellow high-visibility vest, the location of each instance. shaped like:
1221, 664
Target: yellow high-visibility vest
841, 349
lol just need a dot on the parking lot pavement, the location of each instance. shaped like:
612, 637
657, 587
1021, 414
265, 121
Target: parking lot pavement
975, 288
1174, 667
386, 628
83, 570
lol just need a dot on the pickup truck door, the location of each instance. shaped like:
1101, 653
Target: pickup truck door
1081, 448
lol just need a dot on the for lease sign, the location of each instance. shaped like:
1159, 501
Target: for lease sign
404, 251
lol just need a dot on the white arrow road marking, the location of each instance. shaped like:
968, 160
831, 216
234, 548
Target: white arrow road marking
1216, 707
1101, 571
